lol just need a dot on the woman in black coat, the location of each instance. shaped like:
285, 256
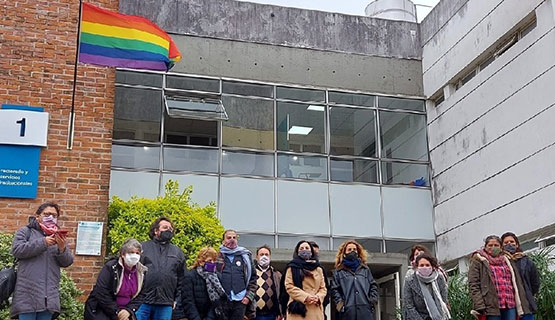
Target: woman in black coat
527, 270
353, 288
202, 292
117, 293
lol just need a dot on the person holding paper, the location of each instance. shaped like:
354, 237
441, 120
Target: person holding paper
41, 249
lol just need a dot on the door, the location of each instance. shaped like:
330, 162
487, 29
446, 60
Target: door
389, 302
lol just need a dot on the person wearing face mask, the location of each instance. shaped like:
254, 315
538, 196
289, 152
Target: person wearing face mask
353, 288
118, 293
495, 284
415, 251
41, 250
527, 270
266, 305
165, 262
202, 292
237, 275
425, 291
304, 284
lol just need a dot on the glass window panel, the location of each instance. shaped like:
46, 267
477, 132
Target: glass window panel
405, 173
358, 203
300, 94
302, 167
190, 83
248, 89
303, 207
407, 213
137, 114
354, 170
404, 104
353, 132
403, 136
254, 164
139, 78
255, 241
405, 246
258, 215
289, 242
371, 245
190, 131
139, 157
250, 124
205, 188
189, 159
300, 129
179, 106
351, 99
126, 184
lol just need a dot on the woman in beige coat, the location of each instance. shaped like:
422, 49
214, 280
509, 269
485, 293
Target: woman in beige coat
305, 285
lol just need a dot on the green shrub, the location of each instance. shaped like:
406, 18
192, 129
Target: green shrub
194, 226
72, 308
459, 297
545, 263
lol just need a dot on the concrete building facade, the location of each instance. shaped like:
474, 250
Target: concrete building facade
339, 126
488, 71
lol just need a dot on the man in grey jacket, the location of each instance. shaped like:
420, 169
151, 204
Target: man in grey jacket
41, 249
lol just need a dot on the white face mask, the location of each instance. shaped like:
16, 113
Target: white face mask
264, 261
131, 259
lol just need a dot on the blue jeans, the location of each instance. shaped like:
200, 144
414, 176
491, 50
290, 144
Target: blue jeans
506, 314
265, 318
528, 317
153, 311
45, 315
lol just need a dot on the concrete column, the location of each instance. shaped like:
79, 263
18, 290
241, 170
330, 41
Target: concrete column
449, 90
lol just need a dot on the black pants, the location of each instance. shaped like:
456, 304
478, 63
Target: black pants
236, 310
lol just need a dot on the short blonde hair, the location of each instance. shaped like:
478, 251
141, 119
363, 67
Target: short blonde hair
203, 254
341, 252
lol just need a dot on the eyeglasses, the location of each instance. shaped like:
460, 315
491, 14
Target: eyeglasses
47, 214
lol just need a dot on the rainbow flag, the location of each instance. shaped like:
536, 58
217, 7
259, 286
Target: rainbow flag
118, 40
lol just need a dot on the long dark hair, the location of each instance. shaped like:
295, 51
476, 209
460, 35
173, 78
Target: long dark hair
510, 234
296, 253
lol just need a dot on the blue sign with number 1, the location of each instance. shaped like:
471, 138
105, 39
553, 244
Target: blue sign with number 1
19, 164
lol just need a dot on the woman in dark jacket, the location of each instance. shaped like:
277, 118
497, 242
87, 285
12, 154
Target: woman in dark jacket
41, 249
117, 293
425, 291
353, 287
527, 270
495, 284
202, 292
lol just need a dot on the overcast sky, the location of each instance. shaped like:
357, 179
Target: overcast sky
355, 7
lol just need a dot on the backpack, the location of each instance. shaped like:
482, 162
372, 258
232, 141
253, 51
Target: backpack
8, 277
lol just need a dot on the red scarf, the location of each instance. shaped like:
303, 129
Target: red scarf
49, 231
500, 259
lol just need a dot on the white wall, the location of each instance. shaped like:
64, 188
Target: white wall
492, 142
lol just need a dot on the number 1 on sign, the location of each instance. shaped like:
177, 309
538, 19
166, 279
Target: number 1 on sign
22, 129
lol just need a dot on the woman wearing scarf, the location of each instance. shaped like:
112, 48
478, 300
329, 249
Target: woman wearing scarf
353, 287
305, 285
527, 270
41, 250
117, 293
415, 251
495, 285
202, 292
425, 292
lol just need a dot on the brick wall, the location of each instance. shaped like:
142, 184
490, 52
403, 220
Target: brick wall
37, 55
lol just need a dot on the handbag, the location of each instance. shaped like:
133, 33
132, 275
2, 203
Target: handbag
8, 276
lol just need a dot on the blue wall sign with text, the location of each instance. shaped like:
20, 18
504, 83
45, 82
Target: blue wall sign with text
23, 133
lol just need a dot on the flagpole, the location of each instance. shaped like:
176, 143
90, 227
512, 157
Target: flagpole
71, 129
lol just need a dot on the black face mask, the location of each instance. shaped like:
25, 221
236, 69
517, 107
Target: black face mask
353, 255
165, 236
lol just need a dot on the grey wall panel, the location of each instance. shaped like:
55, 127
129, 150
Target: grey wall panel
216, 57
